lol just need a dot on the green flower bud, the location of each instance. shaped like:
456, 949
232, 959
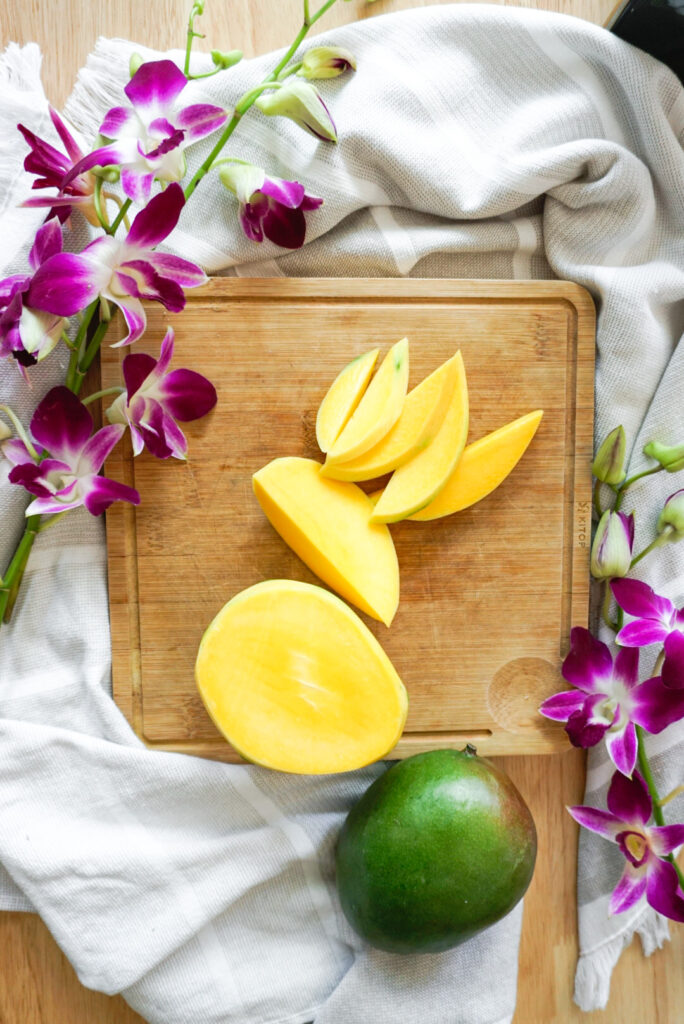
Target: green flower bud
134, 63
301, 103
611, 552
671, 458
227, 59
671, 520
609, 461
326, 62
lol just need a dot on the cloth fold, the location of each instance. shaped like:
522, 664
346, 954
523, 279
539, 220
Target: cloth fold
475, 141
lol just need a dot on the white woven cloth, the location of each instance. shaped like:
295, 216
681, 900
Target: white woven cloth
474, 142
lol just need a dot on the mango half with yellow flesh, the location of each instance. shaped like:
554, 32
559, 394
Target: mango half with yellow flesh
327, 523
295, 681
379, 409
343, 397
415, 484
484, 465
423, 413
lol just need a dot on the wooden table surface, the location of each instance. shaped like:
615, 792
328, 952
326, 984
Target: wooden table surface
38, 984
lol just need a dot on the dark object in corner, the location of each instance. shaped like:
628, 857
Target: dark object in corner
656, 26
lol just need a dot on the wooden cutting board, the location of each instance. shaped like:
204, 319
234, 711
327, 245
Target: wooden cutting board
488, 595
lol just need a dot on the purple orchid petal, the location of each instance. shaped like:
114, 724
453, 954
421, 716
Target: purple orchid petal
628, 891
98, 447
560, 706
124, 151
288, 193
9, 286
584, 727
136, 368
187, 395
66, 283
602, 822
120, 120
150, 423
250, 221
62, 424
641, 633
47, 506
628, 799
100, 493
177, 269
640, 600
673, 666
284, 227
168, 138
68, 141
134, 315
627, 666
666, 839
165, 353
589, 665
58, 203
139, 279
137, 440
47, 243
16, 452
175, 438
656, 706
33, 477
311, 203
621, 745
43, 159
200, 119
136, 186
662, 890
160, 216
155, 86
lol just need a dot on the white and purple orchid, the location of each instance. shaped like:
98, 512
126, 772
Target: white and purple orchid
611, 551
27, 334
644, 847
155, 398
52, 167
64, 475
609, 701
269, 207
122, 272
656, 620
149, 136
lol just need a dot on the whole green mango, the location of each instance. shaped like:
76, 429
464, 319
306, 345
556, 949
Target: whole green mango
439, 847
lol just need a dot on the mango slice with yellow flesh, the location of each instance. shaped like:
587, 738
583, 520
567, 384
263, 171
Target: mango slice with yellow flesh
343, 397
296, 682
327, 523
378, 410
424, 410
484, 465
415, 484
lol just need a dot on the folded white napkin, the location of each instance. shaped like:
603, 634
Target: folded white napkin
474, 142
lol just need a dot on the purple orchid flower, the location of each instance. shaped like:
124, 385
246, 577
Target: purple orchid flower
646, 872
269, 207
123, 272
26, 334
656, 620
52, 166
68, 476
154, 399
150, 135
609, 701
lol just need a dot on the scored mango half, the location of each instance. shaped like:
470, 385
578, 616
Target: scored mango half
327, 523
343, 397
295, 681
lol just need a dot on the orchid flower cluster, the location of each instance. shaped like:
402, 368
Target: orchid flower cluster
609, 703
140, 157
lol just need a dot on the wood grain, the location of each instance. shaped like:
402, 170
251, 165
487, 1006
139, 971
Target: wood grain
38, 984
475, 647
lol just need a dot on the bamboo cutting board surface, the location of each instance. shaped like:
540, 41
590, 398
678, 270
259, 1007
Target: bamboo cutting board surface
488, 595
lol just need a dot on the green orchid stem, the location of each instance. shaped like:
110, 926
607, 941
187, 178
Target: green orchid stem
19, 427
677, 791
605, 607
642, 554
645, 770
632, 480
15, 570
597, 498
190, 36
112, 229
246, 101
90, 352
100, 210
115, 390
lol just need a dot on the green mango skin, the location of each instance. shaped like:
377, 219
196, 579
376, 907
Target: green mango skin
439, 847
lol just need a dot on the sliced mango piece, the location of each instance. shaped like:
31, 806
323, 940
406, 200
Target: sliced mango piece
424, 410
484, 465
343, 397
379, 409
327, 523
415, 484
295, 681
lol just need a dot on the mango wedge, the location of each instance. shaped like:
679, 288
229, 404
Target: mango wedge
296, 682
327, 523
423, 413
415, 484
343, 397
378, 410
485, 464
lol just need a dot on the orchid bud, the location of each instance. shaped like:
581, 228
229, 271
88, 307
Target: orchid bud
301, 103
671, 520
611, 552
241, 178
671, 458
326, 62
608, 463
227, 59
5, 431
134, 63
